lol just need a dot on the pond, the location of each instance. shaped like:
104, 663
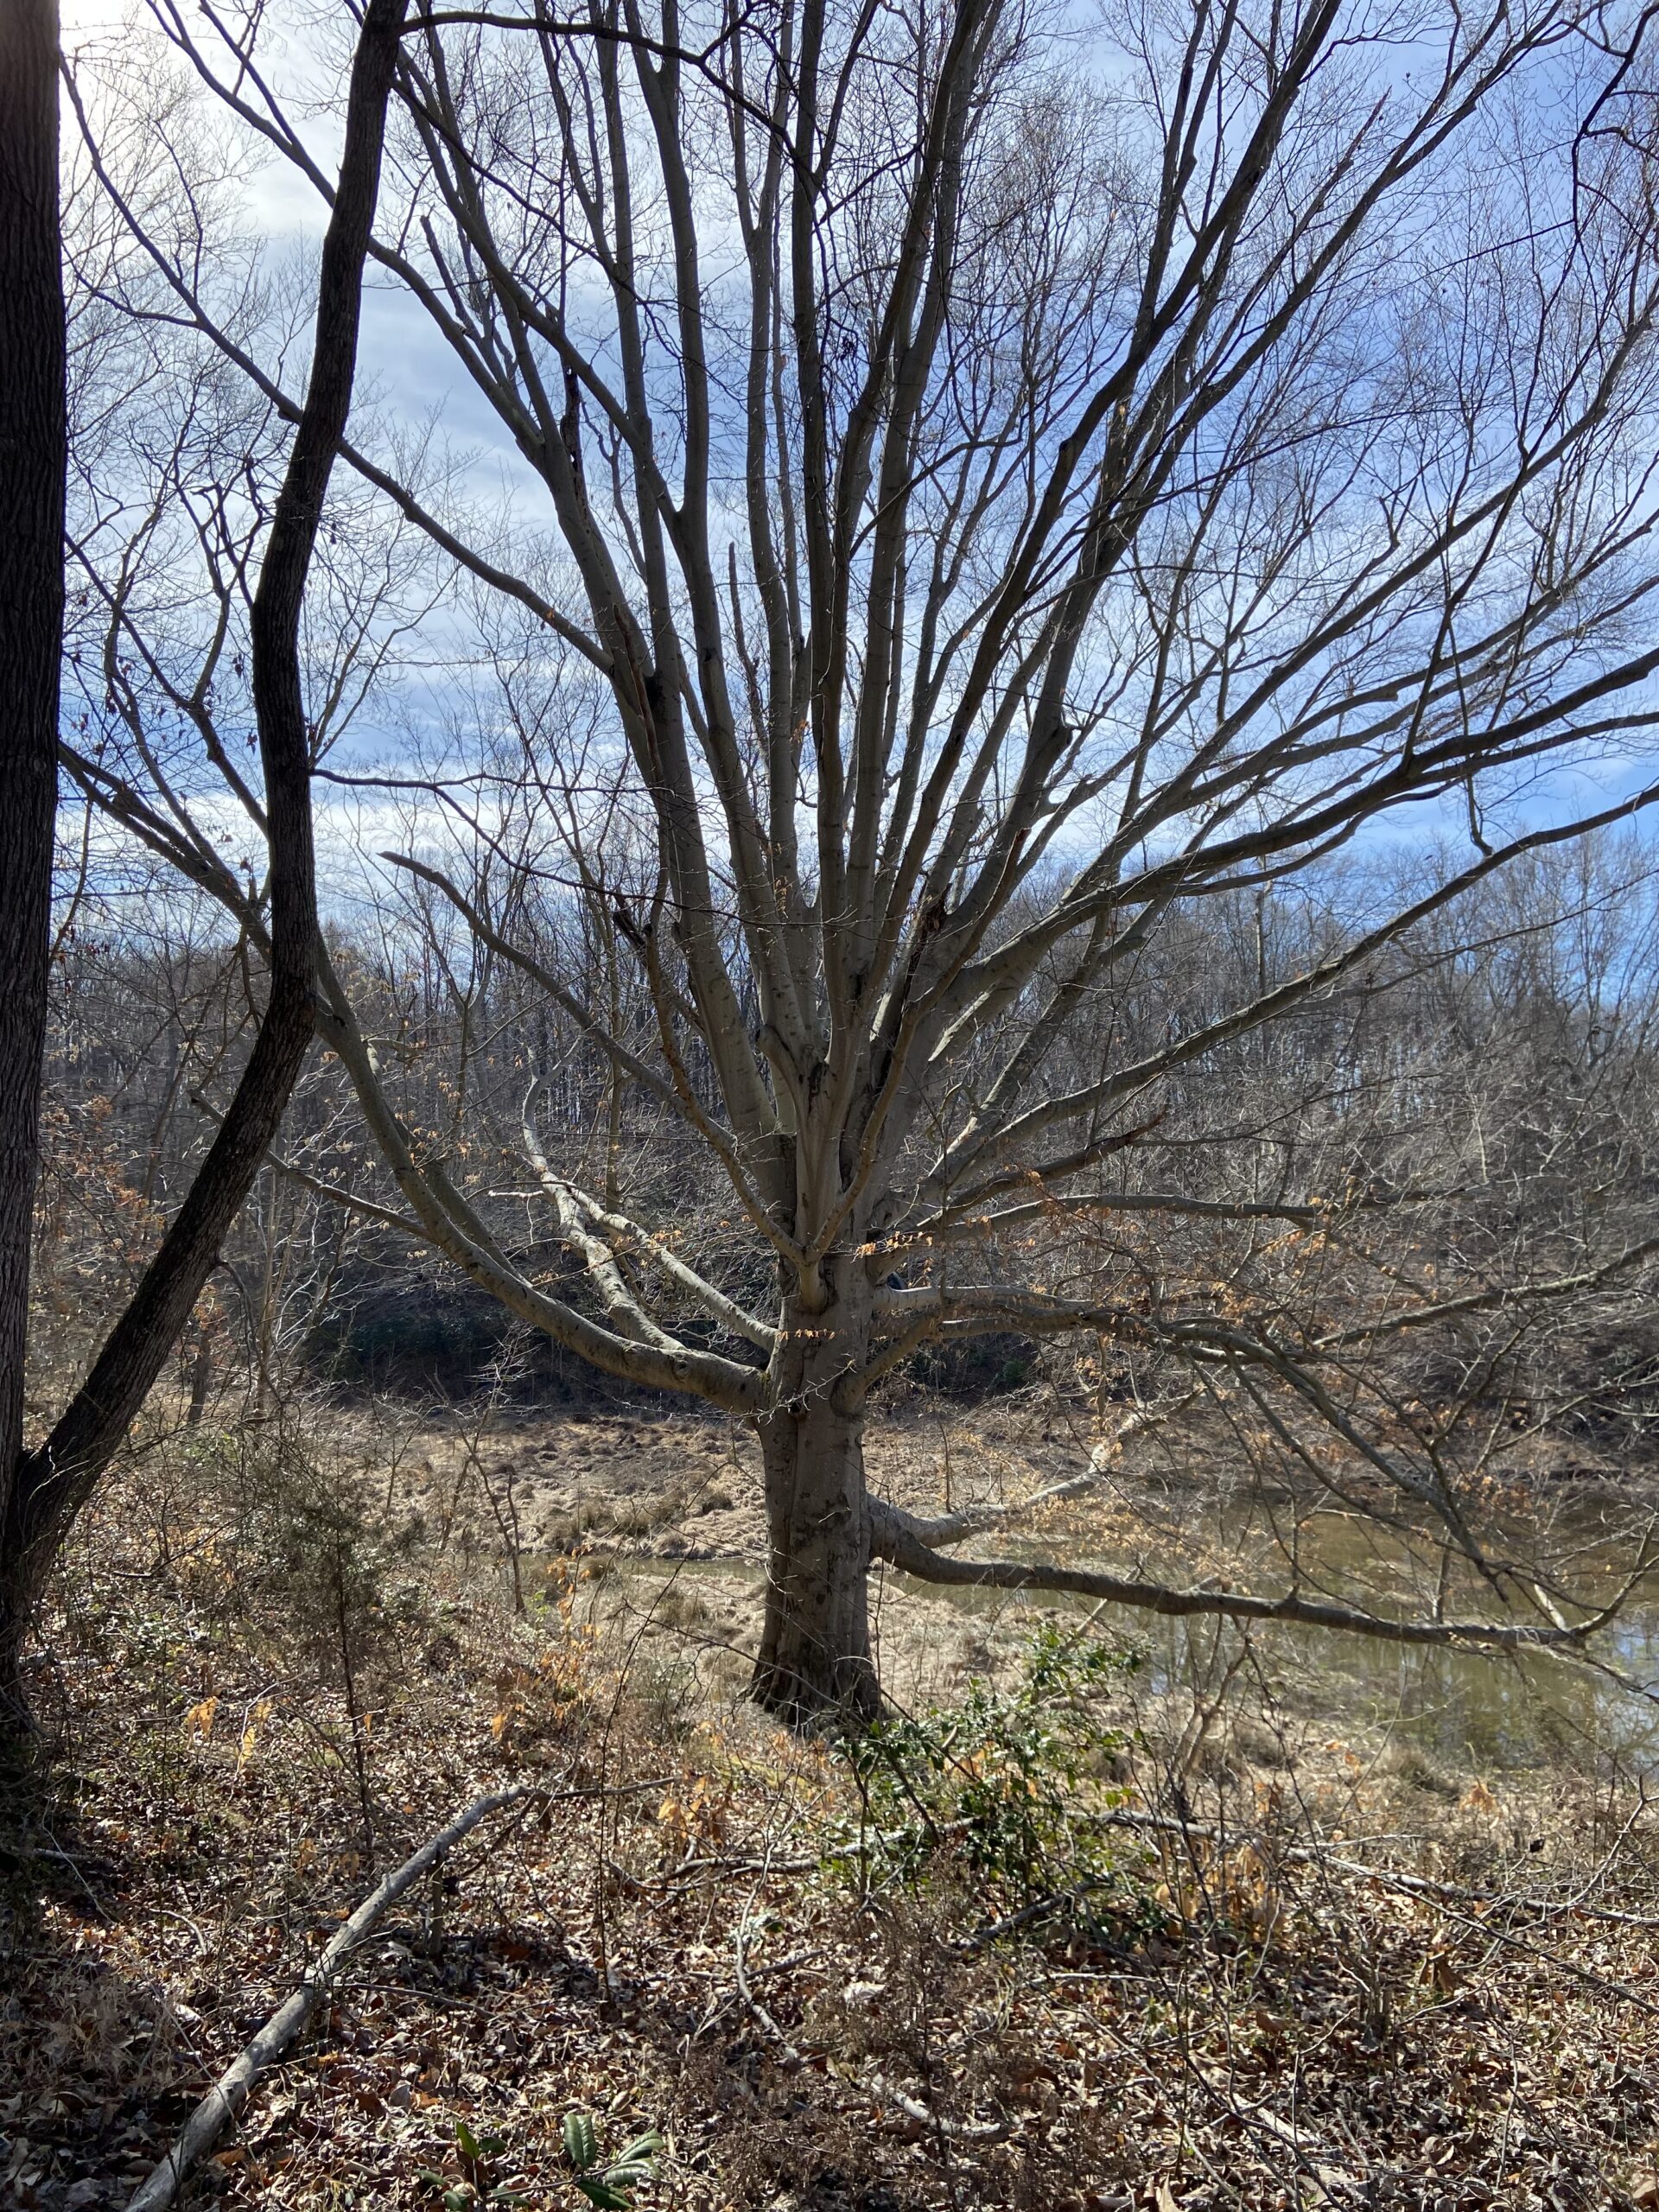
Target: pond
1467, 1710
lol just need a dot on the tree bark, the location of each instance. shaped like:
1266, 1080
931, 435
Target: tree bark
815, 1666
32, 466
46, 1488
33, 458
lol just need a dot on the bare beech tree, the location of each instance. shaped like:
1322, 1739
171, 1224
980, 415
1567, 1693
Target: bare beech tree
1009, 489
42, 1487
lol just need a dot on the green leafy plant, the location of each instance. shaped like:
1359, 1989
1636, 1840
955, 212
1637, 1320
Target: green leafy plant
609, 2187
1012, 1782
476, 2156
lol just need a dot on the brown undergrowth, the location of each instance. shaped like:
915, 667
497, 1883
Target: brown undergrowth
1069, 1941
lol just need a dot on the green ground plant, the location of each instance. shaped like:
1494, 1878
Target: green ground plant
609, 2185
1008, 1783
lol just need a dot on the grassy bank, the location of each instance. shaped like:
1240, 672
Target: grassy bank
1069, 1934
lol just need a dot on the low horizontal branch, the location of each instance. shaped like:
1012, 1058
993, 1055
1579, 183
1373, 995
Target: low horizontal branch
894, 1539
977, 1520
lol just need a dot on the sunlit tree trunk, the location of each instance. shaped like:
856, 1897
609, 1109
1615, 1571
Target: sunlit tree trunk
815, 1656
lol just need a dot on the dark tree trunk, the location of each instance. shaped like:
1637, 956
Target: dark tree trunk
32, 470
814, 1665
47, 1486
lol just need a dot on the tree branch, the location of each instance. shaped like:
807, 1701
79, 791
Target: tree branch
975, 1520
51, 1482
892, 1541
629, 1236
627, 1313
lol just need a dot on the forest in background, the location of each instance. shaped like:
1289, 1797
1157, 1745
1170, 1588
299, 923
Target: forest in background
1480, 1098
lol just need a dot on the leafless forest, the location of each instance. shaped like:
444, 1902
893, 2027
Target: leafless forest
830, 1105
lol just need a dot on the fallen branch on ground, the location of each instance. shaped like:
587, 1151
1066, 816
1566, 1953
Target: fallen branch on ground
791, 2056
955, 2130
230, 2092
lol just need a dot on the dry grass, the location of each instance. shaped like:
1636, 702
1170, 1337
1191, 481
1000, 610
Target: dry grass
261, 1699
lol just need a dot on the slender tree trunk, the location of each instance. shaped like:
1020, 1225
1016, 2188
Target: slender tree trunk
32, 471
44, 1489
815, 1663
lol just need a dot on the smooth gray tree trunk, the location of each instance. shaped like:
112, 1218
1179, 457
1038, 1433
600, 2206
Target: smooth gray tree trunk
814, 1665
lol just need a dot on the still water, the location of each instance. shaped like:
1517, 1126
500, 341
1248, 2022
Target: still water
1465, 1708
